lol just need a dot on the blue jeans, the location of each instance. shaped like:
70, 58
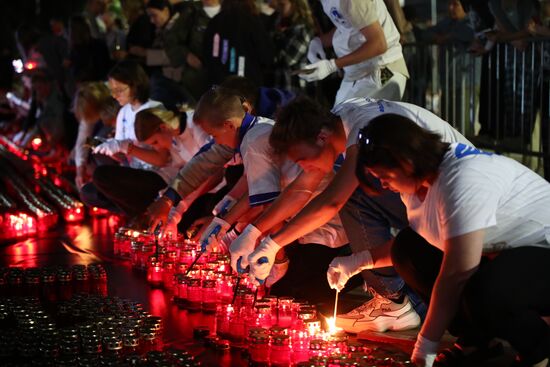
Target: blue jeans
368, 220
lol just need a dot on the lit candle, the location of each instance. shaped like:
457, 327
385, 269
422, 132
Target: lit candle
224, 314
194, 294
209, 296
285, 311
168, 275
280, 350
155, 274
259, 348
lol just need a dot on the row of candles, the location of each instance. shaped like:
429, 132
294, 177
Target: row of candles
53, 283
196, 285
23, 210
278, 331
102, 331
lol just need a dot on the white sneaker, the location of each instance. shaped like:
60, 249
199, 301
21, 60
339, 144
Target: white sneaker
379, 314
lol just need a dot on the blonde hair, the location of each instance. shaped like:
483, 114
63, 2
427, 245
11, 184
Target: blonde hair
149, 121
302, 13
92, 99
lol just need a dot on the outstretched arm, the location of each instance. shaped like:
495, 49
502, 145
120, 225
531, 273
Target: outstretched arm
325, 205
293, 198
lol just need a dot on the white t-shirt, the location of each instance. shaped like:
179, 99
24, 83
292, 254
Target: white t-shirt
267, 176
184, 147
356, 113
125, 121
349, 17
477, 190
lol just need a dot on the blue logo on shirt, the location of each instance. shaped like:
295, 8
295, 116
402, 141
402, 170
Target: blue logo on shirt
463, 150
337, 17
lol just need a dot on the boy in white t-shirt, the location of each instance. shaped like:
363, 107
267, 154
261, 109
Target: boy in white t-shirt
366, 43
314, 138
479, 245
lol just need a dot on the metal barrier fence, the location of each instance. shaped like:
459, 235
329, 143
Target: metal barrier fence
500, 101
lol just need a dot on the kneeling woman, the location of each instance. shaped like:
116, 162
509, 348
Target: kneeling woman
478, 249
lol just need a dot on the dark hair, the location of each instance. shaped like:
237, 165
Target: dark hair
218, 105
159, 4
79, 31
245, 87
391, 141
301, 120
131, 73
246, 6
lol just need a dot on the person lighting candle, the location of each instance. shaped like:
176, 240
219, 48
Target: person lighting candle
478, 246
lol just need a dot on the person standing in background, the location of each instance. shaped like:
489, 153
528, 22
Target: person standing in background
366, 43
293, 31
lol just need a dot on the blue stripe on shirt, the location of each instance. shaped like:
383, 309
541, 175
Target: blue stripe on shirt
206, 147
338, 163
264, 198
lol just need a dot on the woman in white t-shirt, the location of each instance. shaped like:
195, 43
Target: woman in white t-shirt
129, 85
478, 249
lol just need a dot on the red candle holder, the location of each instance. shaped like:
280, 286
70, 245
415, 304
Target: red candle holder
224, 314
313, 327
263, 316
168, 275
285, 316
171, 256
318, 348
180, 294
300, 346
337, 343
135, 249
209, 296
187, 255
194, 295
155, 274
181, 268
147, 250
280, 351
259, 349
237, 326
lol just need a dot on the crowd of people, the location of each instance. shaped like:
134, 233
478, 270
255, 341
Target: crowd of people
276, 133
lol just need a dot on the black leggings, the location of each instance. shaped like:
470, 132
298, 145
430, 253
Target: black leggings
505, 298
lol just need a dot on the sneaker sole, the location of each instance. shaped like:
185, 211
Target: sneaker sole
409, 320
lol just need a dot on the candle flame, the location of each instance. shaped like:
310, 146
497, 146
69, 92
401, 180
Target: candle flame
331, 324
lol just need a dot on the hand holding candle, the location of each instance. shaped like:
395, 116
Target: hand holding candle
343, 268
